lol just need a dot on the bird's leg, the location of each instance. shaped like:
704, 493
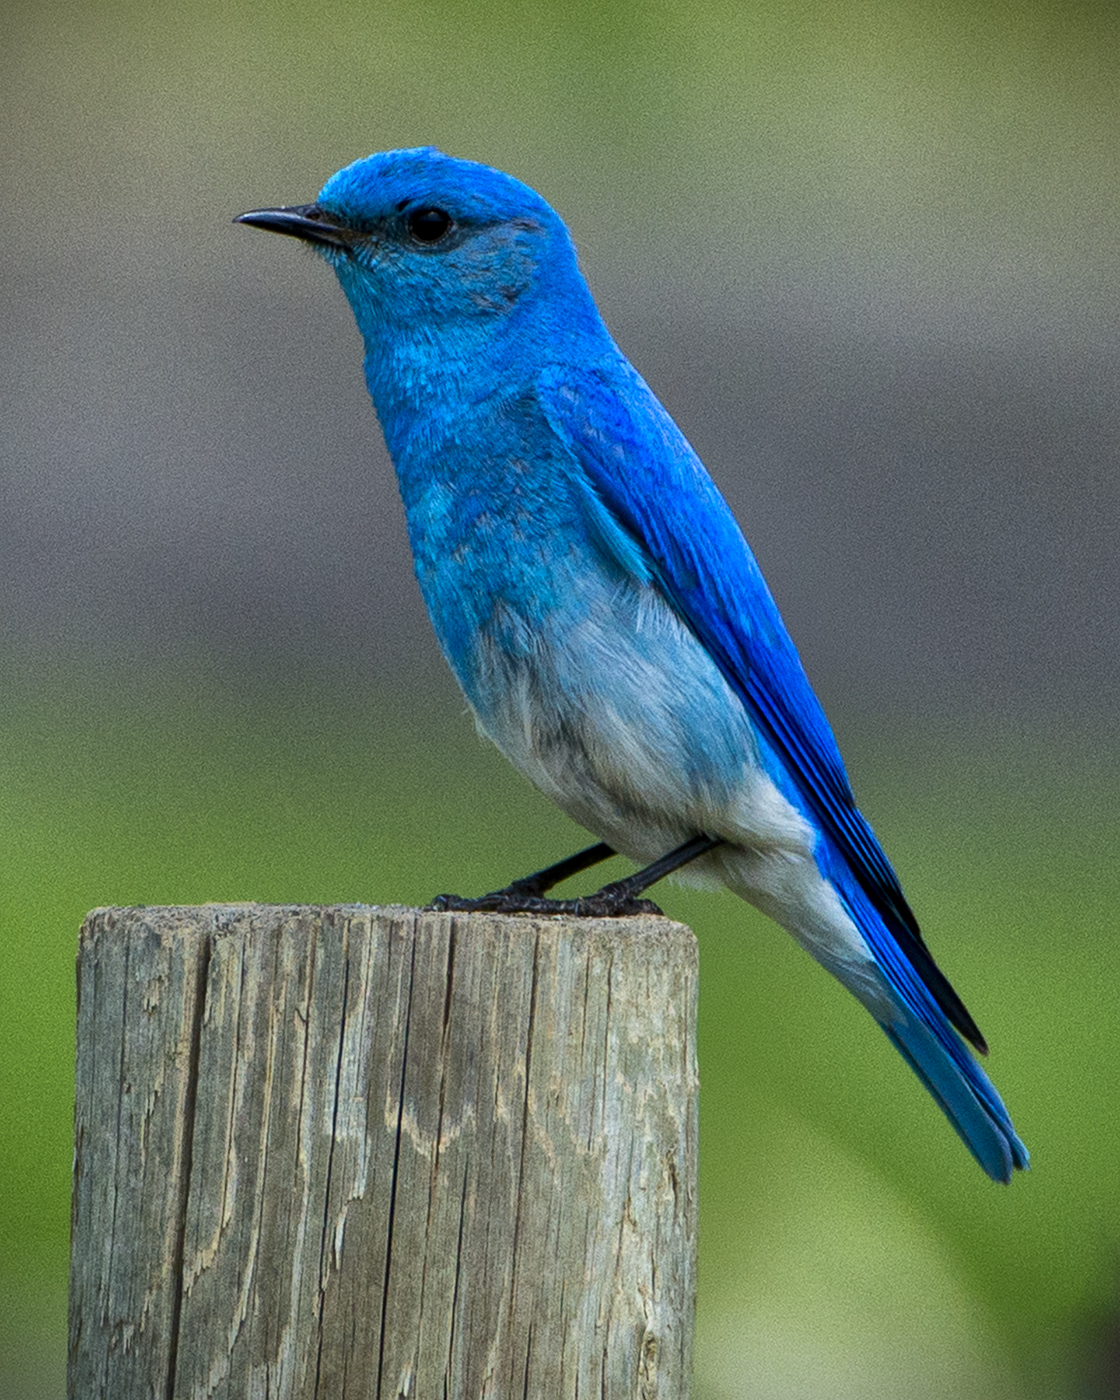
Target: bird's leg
531, 886
619, 898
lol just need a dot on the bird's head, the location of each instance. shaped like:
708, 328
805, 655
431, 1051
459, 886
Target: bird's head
425, 244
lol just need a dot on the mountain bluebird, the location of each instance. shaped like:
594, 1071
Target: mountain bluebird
598, 603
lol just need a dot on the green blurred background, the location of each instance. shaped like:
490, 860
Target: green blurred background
867, 254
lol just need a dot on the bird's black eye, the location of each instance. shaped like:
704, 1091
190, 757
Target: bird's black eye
429, 225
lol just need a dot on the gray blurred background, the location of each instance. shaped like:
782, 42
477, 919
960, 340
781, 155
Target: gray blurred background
869, 260
867, 256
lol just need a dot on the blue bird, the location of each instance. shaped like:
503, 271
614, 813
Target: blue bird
599, 605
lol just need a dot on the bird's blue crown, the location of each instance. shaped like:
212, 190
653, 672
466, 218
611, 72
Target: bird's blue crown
390, 180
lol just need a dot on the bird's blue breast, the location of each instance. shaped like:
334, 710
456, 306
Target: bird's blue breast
498, 523
562, 641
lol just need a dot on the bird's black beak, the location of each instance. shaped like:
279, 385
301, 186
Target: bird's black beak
306, 221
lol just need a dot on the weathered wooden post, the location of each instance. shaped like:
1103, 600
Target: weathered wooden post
369, 1152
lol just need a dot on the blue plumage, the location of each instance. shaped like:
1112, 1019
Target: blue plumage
596, 598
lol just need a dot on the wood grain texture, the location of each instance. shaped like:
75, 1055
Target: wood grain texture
368, 1152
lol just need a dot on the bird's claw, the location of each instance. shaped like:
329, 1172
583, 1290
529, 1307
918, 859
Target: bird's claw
605, 904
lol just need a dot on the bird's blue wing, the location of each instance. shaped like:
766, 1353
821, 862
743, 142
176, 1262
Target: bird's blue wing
655, 487
671, 517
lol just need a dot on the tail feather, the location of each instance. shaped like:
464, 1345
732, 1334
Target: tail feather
921, 1031
965, 1094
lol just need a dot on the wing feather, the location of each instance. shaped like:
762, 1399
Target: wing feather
657, 490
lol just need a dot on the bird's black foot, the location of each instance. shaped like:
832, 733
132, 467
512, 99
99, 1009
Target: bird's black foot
526, 896
616, 901
607, 903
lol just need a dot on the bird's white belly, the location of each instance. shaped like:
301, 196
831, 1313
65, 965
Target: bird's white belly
633, 731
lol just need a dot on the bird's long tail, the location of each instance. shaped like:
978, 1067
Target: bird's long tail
965, 1093
921, 1031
